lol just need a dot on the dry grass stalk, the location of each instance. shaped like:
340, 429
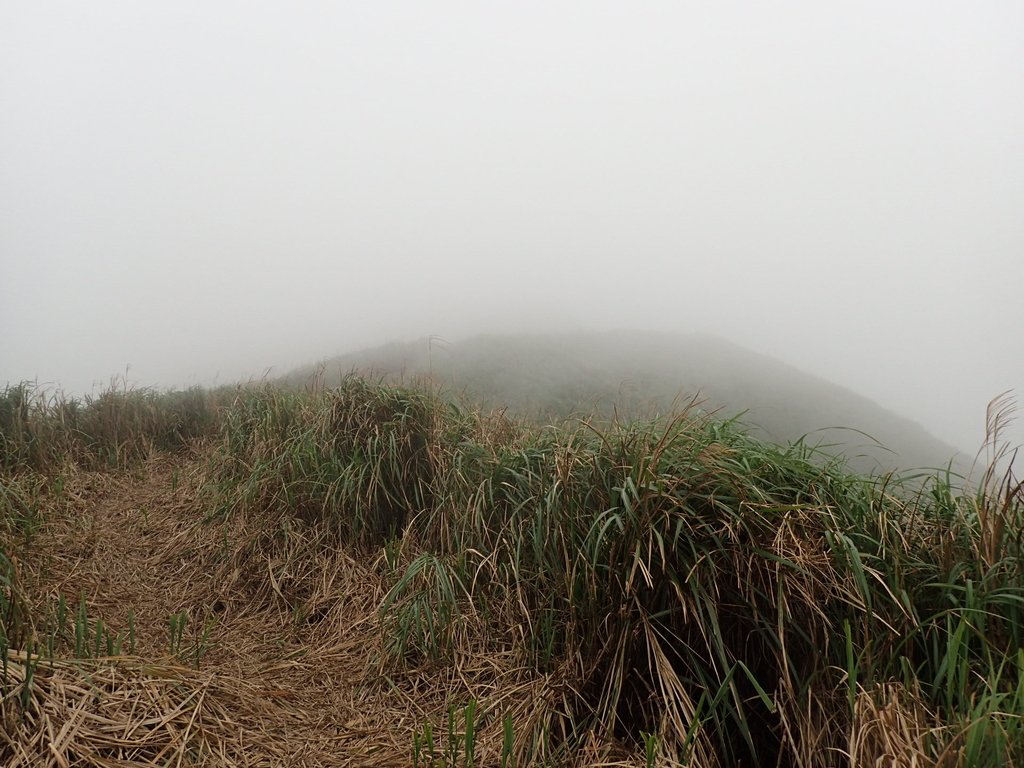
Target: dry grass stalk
892, 728
124, 712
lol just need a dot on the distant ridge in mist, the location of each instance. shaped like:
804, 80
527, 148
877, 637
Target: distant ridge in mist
641, 374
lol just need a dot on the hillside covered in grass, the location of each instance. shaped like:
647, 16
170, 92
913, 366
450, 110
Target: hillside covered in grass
371, 574
638, 374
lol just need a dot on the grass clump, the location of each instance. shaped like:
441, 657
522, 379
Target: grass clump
357, 458
734, 598
41, 431
733, 601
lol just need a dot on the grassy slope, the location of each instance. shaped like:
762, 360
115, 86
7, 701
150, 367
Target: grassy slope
643, 373
571, 589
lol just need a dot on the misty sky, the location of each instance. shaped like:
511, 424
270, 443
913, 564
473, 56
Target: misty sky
201, 190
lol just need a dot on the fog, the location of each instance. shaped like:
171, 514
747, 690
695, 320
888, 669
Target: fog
199, 192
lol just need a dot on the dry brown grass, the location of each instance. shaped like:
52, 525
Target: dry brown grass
892, 727
131, 712
293, 673
330, 591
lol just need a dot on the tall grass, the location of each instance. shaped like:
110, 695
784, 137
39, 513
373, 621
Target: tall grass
358, 457
40, 430
740, 601
696, 593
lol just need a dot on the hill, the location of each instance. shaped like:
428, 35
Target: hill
640, 374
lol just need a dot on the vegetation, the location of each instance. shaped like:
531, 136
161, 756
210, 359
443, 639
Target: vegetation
671, 592
41, 432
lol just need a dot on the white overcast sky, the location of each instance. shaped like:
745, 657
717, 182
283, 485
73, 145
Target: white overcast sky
200, 190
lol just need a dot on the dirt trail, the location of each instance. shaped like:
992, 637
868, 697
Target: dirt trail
286, 646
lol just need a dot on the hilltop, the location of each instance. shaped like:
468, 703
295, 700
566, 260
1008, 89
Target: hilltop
635, 374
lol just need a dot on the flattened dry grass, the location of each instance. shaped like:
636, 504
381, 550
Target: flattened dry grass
125, 711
